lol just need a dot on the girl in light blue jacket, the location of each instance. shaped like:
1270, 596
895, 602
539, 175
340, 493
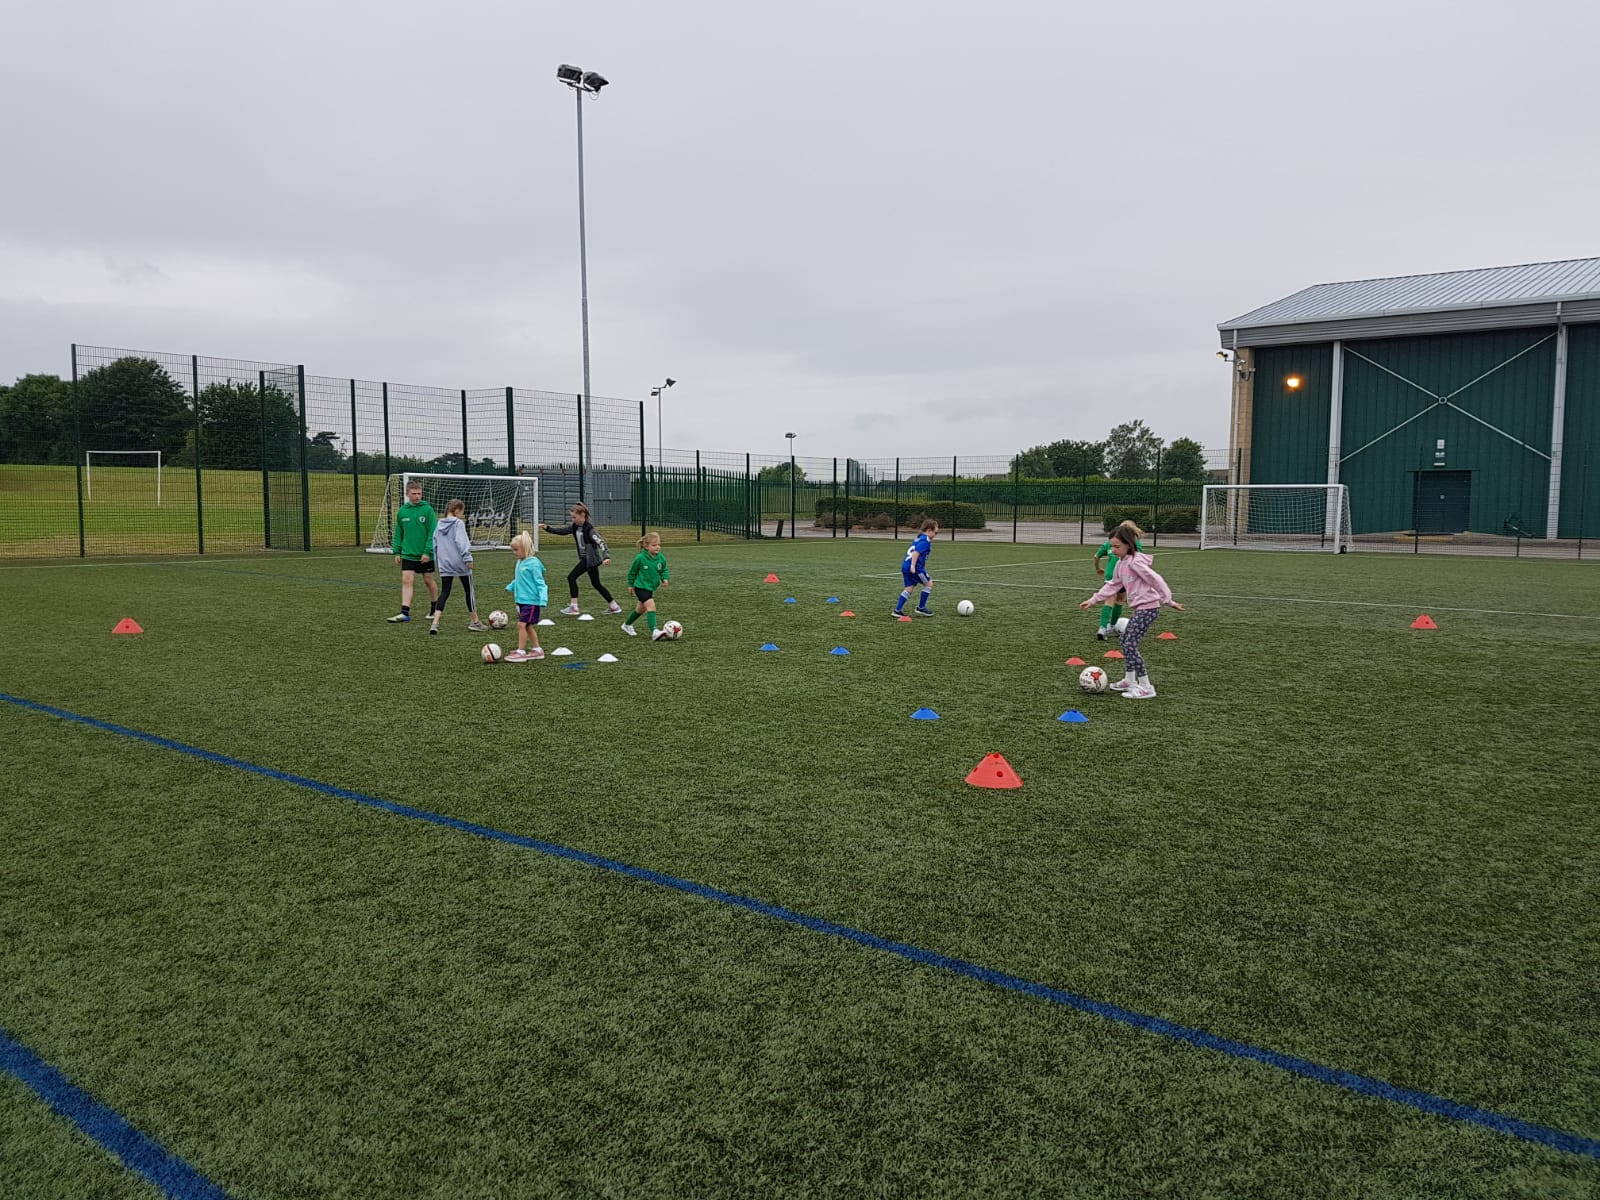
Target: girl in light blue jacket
528, 589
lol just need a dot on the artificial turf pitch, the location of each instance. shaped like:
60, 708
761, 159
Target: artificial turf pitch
1330, 836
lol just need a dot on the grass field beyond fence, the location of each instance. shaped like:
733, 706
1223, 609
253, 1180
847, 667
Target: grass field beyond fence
1330, 836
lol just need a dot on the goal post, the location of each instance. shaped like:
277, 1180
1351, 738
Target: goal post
498, 507
141, 460
1275, 516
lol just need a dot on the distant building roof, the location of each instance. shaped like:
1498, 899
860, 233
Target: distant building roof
1450, 301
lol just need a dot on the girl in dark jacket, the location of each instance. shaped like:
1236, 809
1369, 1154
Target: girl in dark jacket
592, 555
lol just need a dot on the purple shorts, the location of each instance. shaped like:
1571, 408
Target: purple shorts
528, 614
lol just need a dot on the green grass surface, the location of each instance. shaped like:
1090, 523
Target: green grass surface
1330, 835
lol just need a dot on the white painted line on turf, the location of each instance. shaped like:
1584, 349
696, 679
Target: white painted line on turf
1414, 606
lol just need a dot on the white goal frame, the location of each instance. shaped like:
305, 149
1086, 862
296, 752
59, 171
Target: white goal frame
1225, 518
88, 469
383, 533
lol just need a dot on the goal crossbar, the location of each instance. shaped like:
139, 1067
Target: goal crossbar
1275, 516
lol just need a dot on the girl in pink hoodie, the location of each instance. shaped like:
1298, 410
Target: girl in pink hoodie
1147, 592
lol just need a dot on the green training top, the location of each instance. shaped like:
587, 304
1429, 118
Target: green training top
649, 571
1111, 559
413, 530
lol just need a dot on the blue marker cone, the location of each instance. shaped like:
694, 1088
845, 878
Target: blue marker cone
838, 650
790, 600
833, 600
1073, 717
924, 714
769, 646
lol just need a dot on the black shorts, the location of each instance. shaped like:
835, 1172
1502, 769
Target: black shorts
643, 594
417, 565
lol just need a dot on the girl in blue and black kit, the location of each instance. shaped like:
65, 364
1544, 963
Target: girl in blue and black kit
592, 555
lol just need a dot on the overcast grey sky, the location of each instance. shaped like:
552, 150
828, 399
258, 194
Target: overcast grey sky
892, 227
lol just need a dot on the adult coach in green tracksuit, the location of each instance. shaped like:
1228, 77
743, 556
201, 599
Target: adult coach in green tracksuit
413, 550
1111, 613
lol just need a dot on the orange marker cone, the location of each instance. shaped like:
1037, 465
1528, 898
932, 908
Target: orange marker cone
771, 578
1424, 622
1075, 661
1167, 636
994, 772
1113, 654
847, 613
127, 625
904, 619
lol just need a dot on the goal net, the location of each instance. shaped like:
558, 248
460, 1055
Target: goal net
1276, 516
124, 474
498, 507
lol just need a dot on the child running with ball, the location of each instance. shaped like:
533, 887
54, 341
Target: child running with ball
1147, 592
527, 588
646, 577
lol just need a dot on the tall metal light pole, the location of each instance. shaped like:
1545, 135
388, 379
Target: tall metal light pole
656, 392
581, 81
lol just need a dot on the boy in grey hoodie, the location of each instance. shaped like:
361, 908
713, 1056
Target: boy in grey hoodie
452, 552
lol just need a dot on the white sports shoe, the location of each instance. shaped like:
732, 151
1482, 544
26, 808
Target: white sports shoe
630, 630
570, 610
613, 607
1139, 691
516, 656
657, 635
1123, 685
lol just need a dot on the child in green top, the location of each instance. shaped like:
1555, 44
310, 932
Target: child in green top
646, 576
414, 524
1111, 613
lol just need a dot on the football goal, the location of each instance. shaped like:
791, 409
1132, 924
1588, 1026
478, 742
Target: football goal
498, 507
124, 474
1275, 516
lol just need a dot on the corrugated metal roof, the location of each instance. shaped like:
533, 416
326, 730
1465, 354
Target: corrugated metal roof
1498, 287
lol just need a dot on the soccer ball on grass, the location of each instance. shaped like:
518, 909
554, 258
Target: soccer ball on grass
1093, 679
672, 631
498, 620
492, 654
965, 608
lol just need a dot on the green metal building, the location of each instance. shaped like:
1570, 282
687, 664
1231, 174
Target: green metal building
1464, 402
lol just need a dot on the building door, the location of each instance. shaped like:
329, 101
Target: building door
1441, 501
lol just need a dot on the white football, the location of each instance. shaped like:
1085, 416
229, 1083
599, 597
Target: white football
1121, 626
498, 620
672, 630
492, 653
965, 608
1093, 679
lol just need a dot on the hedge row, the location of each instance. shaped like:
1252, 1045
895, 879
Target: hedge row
1178, 519
874, 511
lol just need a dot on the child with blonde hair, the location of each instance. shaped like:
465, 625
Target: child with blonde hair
527, 588
1147, 592
646, 577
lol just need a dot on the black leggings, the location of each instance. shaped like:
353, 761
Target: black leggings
466, 590
594, 578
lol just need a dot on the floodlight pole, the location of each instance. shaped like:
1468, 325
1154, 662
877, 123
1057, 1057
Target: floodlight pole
583, 277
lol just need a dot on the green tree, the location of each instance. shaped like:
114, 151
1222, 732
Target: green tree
36, 420
323, 453
1034, 463
1077, 458
1131, 451
1185, 459
132, 404
780, 474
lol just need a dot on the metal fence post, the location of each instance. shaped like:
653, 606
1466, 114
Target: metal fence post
355, 459
580, 448
466, 453
388, 467
897, 499
266, 477
698, 497
1155, 511
1083, 492
199, 498
511, 432
1016, 494
644, 494
77, 450
952, 497
305, 476
834, 523
747, 499
793, 533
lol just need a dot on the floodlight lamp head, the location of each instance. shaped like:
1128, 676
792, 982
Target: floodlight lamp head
1223, 355
1292, 382
655, 393
570, 75
670, 382
791, 435
593, 82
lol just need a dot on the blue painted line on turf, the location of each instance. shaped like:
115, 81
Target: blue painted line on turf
140, 1153
1351, 1081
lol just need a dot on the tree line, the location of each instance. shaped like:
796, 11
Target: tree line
1130, 451
133, 404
